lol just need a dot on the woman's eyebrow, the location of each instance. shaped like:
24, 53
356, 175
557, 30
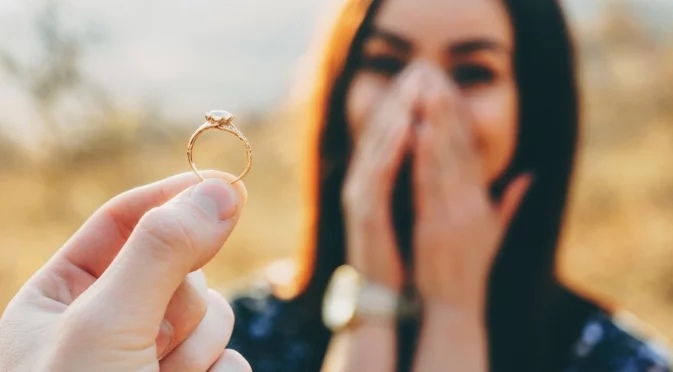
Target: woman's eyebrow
391, 38
477, 45
460, 48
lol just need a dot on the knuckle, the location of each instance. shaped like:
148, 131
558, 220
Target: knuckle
197, 279
231, 361
166, 230
115, 214
237, 361
356, 193
81, 322
192, 358
362, 185
350, 193
226, 312
364, 210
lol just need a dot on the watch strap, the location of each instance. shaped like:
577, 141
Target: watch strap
377, 301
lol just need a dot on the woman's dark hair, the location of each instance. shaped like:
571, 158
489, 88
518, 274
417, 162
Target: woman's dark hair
531, 319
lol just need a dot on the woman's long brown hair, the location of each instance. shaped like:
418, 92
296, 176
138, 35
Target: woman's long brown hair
531, 319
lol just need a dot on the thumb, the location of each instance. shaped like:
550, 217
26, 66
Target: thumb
512, 198
168, 242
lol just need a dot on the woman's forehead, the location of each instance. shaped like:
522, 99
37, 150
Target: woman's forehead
442, 22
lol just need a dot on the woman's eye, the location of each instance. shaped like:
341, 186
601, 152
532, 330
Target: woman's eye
472, 75
385, 65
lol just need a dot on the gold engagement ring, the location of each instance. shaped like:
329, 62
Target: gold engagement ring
220, 120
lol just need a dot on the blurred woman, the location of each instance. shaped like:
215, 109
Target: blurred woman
445, 134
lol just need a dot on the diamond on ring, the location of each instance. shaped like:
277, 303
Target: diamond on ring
219, 117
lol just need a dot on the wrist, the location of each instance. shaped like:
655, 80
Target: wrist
464, 301
452, 338
443, 313
450, 325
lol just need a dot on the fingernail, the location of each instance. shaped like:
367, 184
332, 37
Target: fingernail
164, 339
216, 197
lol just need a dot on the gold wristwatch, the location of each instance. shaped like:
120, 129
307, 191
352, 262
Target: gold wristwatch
351, 298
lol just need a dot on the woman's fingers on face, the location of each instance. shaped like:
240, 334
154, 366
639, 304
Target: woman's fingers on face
408, 87
440, 105
202, 348
427, 179
184, 313
443, 109
231, 361
386, 139
391, 125
436, 156
396, 109
443, 105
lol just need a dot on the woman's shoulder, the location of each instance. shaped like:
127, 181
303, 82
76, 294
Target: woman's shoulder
619, 342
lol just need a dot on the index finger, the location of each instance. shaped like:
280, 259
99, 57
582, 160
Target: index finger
397, 104
93, 247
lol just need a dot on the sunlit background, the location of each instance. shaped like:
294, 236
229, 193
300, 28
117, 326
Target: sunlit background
98, 97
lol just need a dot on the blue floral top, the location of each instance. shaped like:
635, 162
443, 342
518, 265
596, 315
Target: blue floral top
268, 332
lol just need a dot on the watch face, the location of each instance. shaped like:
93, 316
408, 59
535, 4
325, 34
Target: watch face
341, 297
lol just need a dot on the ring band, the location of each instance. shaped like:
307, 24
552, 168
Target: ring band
220, 120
